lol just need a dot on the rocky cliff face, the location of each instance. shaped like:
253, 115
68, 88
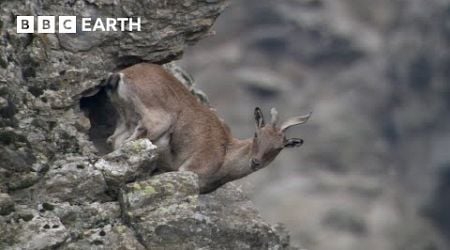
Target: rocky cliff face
60, 186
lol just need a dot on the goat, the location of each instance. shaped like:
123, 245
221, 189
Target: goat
190, 136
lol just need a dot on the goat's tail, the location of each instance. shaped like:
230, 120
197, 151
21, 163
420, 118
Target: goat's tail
112, 81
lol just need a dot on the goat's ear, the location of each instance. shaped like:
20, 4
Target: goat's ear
294, 142
259, 118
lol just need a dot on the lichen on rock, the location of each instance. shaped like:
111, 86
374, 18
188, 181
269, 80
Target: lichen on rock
167, 212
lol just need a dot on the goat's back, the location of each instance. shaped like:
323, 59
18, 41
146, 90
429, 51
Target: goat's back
196, 129
155, 87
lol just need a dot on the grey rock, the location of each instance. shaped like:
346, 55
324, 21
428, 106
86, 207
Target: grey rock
6, 204
23, 180
166, 29
73, 180
132, 160
3, 103
38, 233
86, 216
187, 80
230, 212
117, 236
166, 212
157, 192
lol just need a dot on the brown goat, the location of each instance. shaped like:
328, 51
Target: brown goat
190, 137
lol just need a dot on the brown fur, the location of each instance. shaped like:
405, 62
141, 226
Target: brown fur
189, 136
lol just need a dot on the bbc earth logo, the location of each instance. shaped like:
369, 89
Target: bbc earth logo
68, 24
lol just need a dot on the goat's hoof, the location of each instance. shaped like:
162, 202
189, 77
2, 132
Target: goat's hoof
109, 141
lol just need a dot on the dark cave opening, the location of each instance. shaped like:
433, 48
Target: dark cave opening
102, 116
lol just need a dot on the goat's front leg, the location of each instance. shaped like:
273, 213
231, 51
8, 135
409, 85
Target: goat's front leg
120, 139
206, 167
138, 132
119, 132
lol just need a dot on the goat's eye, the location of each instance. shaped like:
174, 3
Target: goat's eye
256, 135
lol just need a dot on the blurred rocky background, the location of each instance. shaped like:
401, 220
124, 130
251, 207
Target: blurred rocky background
374, 172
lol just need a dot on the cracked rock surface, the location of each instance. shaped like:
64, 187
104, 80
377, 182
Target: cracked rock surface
61, 187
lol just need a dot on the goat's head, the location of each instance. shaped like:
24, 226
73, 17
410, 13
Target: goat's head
270, 139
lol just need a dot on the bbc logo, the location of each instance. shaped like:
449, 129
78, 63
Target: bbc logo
46, 24
68, 24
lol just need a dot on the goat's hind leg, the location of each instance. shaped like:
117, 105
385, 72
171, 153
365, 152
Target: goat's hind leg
157, 123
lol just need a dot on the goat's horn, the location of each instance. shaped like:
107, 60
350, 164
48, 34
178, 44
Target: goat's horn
274, 114
295, 121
